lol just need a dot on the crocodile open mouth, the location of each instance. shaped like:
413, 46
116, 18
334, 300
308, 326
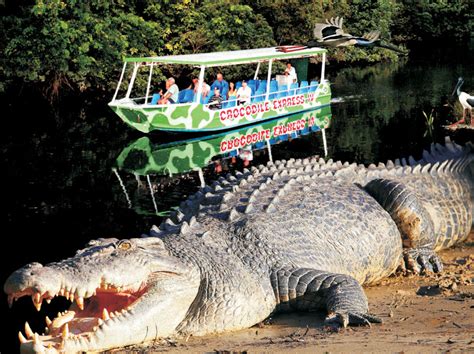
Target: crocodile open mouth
87, 316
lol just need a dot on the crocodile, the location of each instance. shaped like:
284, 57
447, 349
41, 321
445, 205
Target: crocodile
296, 235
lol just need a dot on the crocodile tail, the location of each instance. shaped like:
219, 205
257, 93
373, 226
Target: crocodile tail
413, 220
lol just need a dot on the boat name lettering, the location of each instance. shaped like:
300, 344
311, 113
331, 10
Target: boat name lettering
244, 140
242, 111
288, 101
266, 134
289, 128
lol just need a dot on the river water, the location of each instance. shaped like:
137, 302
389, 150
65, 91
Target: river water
60, 189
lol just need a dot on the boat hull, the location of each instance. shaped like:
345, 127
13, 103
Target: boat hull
196, 117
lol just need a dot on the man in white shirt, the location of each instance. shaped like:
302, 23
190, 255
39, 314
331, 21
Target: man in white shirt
291, 72
243, 94
171, 95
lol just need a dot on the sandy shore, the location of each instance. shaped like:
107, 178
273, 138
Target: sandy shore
421, 314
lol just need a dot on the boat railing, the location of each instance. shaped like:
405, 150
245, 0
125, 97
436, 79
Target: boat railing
259, 96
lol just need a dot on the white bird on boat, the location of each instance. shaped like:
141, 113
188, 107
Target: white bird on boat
466, 100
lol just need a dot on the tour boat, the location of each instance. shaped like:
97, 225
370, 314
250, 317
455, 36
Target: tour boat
272, 97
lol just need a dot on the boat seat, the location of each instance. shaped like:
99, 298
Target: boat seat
155, 98
282, 91
253, 86
181, 95
230, 103
188, 96
273, 90
313, 85
303, 87
259, 96
273, 85
293, 88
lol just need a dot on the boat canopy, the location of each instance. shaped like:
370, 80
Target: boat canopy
229, 57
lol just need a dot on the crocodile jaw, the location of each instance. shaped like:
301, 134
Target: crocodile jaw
106, 313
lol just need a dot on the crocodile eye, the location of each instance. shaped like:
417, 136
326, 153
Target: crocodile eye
124, 245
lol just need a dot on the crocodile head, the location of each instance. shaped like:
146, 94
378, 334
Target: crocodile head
122, 292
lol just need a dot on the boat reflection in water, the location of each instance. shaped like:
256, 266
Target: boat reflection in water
175, 170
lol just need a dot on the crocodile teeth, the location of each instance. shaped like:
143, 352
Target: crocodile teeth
22, 338
80, 302
62, 319
105, 314
65, 331
48, 321
37, 301
36, 339
28, 331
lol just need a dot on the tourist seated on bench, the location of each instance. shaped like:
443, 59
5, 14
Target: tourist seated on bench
215, 102
172, 93
243, 94
221, 84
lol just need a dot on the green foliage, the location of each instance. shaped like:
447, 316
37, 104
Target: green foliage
79, 45
419, 20
74, 43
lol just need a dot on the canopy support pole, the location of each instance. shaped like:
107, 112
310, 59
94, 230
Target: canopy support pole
201, 178
323, 68
325, 144
269, 77
256, 71
132, 80
152, 194
269, 147
120, 81
201, 83
149, 83
129, 202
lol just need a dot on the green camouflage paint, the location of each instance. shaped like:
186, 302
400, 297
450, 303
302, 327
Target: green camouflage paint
197, 117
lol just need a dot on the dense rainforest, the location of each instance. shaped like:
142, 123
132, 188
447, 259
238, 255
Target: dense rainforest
70, 46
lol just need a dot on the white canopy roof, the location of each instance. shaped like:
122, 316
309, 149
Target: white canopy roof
229, 57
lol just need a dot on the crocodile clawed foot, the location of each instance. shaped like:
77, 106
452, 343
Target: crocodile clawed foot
422, 261
345, 319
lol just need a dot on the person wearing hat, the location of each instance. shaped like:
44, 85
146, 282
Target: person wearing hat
243, 93
215, 102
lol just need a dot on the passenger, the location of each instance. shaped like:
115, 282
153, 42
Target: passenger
217, 166
291, 73
232, 91
220, 83
246, 155
243, 93
205, 88
172, 92
215, 102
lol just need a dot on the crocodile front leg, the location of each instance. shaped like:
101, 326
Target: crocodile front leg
307, 289
413, 221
